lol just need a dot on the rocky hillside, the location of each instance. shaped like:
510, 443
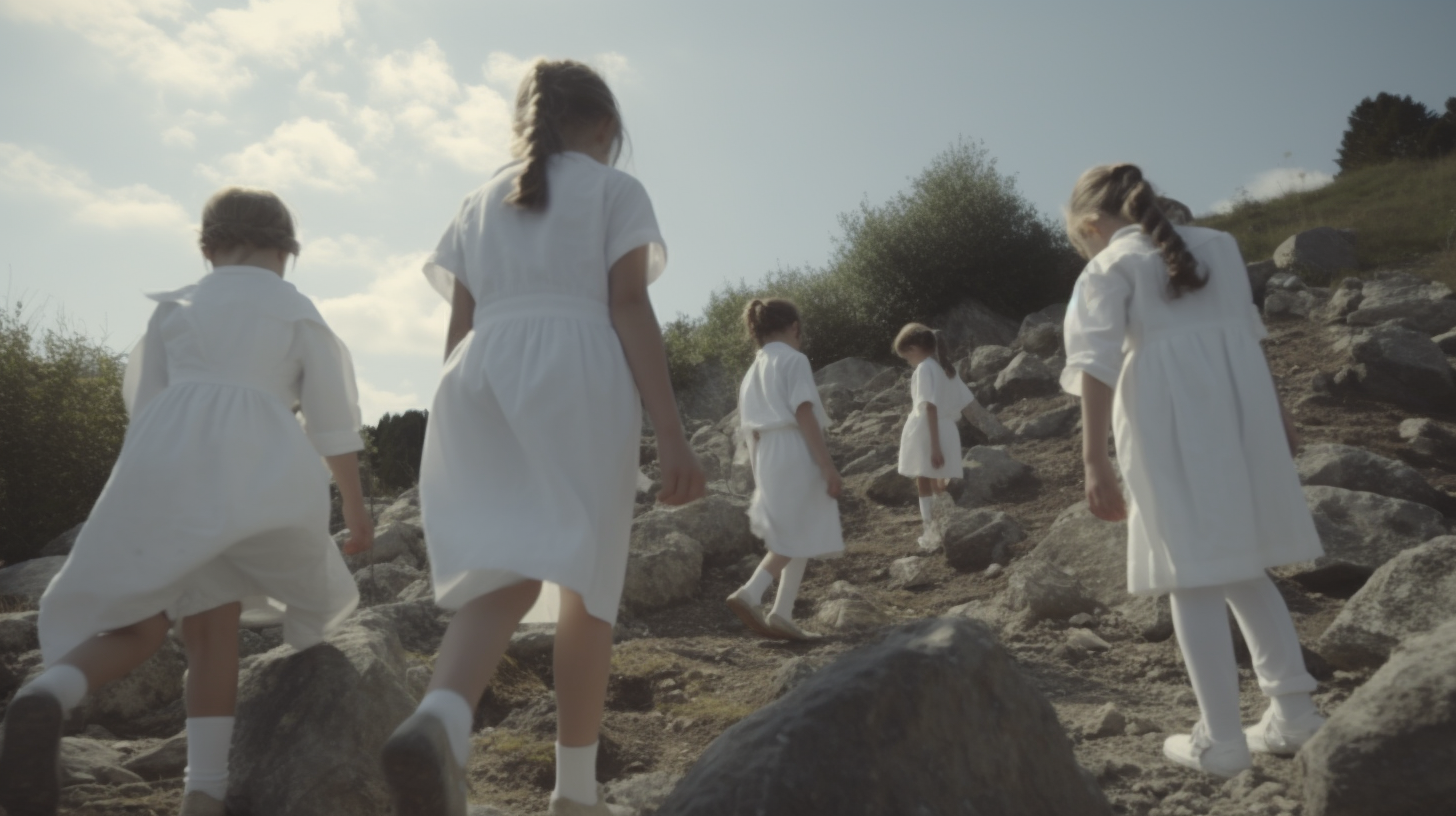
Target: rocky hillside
1008, 673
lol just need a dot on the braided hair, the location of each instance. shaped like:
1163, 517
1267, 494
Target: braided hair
241, 217
555, 99
1120, 191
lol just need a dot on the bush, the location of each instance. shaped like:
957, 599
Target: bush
1393, 128
60, 396
394, 448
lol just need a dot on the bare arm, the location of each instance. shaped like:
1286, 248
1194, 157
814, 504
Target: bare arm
683, 479
462, 317
345, 468
932, 415
814, 437
1104, 494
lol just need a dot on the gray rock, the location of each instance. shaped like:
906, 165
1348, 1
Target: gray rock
1041, 333
986, 423
969, 325
1088, 640
1025, 377
909, 572
1287, 281
1405, 367
1090, 549
145, 703
1344, 301
1445, 342
993, 476
1431, 441
29, 579
533, 644
1059, 420
310, 726
62, 544
898, 714
895, 398
881, 457
887, 378
418, 591
974, 539
1355, 469
1295, 302
1039, 590
791, 674
986, 361
1411, 594
1423, 304
419, 625
1390, 748
845, 590
850, 615
1151, 617
1322, 251
662, 572
167, 760
1360, 531
1107, 721
382, 583
401, 539
719, 522
850, 372
1259, 274
18, 632
88, 760
888, 487
643, 793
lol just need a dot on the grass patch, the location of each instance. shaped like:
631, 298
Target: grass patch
522, 758
708, 709
636, 659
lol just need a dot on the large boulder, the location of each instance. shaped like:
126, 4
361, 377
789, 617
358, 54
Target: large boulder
93, 761
1026, 376
310, 726
1421, 303
18, 632
1402, 366
933, 695
1041, 332
382, 583
1356, 469
850, 372
1391, 747
887, 486
1059, 419
1430, 441
1322, 252
29, 579
975, 539
986, 361
1259, 274
719, 522
1095, 553
985, 425
1410, 594
992, 475
401, 539
1040, 590
419, 624
1360, 531
662, 572
62, 544
1301, 302
970, 325
147, 702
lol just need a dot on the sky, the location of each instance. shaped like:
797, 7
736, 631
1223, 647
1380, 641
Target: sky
753, 126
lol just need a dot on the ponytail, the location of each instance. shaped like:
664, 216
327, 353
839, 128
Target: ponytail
942, 353
1120, 190
921, 336
555, 98
765, 318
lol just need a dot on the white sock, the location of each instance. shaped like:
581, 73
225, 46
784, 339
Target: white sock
62, 681
209, 739
1290, 707
576, 773
757, 585
926, 502
789, 579
451, 709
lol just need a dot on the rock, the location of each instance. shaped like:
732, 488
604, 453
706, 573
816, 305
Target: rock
310, 726
533, 644
1429, 440
845, 590
1151, 617
994, 570
165, 761
896, 714
888, 487
986, 424
881, 457
1345, 300
791, 674
1090, 549
401, 539
909, 572
1088, 640
969, 325
1322, 252
1083, 620
1106, 721
1041, 591
1356, 469
62, 544
1041, 333
1259, 274
1056, 421
1425, 305
1405, 367
88, 760
1391, 747
1445, 342
850, 615
382, 583
29, 579
974, 539
718, 522
993, 476
850, 372
1411, 594
1024, 377
418, 591
146, 702
643, 793
888, 378
986, 361
18, 633
662, 572
1360, 531
419, 625
896, 398
1287, 281
1294, 302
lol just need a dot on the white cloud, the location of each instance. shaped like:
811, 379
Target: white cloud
1273, 184
394, 312
613, 67
506, 71
308, 88
285, 31
178, 136
375, 402
302, 153
418, 77
25, 173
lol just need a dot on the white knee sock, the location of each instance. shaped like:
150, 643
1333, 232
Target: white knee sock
451, 709
789, 579
757, 585
576, 773
1200, 618
209, 739
62, 681
926, 503
1273, 643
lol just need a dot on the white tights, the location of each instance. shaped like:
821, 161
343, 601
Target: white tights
1208, 648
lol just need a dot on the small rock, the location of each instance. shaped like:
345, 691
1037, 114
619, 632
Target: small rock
992, 475
1088, 640
1026, 376
986, 361
974, 539
1106, 721
909, 572
1041, 591
994, 570
844, 590
1083, 620
1139, 726
888, 487
848, 615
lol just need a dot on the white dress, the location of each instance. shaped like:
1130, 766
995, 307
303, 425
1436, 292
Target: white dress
531, 453
929, 385
219, 495
791, 509
1213, 494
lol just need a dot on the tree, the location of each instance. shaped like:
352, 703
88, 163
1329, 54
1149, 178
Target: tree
396, 445
1389, 127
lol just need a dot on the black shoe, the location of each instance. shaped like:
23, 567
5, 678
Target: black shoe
421, 771
30, 761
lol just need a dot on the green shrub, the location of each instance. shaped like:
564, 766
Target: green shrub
60, 396
393, 450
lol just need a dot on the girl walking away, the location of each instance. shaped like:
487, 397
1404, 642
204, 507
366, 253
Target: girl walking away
930, 444
217, 502
1163, 345
794, 508
530, 463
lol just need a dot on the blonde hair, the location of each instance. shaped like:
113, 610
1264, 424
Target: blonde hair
765, 318
241, 217
554, 99
921, 336
1120, 191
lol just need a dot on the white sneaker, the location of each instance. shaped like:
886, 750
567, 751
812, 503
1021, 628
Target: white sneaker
929, 542
1197, 751
1272, 735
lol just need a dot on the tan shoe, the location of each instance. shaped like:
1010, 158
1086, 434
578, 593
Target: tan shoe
750, 615
421, 771
788, 630
197, 803
30, 761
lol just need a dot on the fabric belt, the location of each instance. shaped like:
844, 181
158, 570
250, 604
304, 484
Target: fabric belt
523, 306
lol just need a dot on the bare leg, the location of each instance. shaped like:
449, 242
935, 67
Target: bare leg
583, 662
478, 636
113, 655
211, 639
773, 564
924, 487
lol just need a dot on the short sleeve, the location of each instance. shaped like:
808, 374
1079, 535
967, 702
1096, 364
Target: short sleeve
801, 387
146, 367
631, 223
1095, 327
447, 263
329, 395
923, 384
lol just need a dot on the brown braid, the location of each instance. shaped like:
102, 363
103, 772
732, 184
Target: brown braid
1121, 191
555, 99
765, 318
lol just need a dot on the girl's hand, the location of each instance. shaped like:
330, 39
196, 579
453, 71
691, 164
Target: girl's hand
683, 479
937, 460
831, 477
1104, 493
361, 529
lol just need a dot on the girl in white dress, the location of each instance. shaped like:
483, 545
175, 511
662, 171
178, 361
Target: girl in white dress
217, 502
795, 507
530, 463
1163, 345
930, 444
